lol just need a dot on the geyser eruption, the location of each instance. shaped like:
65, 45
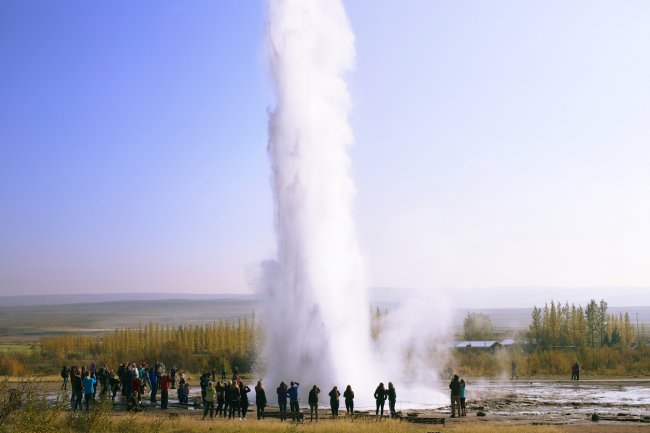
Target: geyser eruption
317, 314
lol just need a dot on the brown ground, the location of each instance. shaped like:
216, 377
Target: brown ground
499, 411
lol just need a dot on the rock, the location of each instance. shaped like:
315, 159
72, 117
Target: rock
595, 417
480, 413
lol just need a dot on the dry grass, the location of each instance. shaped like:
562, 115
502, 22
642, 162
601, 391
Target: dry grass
193, 424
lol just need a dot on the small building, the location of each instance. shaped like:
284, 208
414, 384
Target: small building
478, 346
507, 344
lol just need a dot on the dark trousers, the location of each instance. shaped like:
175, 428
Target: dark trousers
349, 405
391, 406
87, 398
208, 406
220, 408
260, 410
283, 410
164, 399
154, 391
334, 405
244, 409
77, 396
234, 406
380, 406
455, 405
295, 408
313, 409
65, 383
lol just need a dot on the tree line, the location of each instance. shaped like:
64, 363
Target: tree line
191, 346
564, 326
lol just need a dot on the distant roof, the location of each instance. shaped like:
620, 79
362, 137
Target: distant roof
508, 342
477, 343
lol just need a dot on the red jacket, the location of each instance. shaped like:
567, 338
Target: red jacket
164, 383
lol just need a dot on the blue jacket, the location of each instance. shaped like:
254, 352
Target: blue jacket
293, 393
89, 385
153, 377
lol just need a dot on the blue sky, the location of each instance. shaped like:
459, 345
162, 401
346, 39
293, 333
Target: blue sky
499, 144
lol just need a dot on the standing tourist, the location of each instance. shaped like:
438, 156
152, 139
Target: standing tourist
89, 389
164, 391
210, 396
235, 401
462, 398
77, 388
282, 400
293, 399
313, 403
348, 395
334, 401
243, 391
392, 398
454, 386
65, 373
380, 398
260, 399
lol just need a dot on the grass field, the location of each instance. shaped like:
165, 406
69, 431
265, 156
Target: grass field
16, 347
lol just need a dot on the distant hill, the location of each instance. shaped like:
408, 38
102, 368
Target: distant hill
91, 298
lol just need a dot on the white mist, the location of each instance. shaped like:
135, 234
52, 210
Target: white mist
317, 313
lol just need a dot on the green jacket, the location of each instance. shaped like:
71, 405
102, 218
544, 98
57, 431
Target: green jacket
210, 393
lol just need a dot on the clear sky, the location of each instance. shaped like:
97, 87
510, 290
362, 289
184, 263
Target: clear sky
499, 144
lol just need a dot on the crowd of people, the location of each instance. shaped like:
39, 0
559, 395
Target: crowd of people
220, 398
131, 380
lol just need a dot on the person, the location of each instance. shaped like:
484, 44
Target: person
334, 401
348, 395
133, 403
260, 399
235, 401
293, 399
208, 400
243, 391
182, 393
121, 372
221, 396
313, 402
380, 398
514, 370
65, 374
205, 379
89, 389
223, 371
282, 400
573, 371
392, 398
577, 371
114, 383
153, 379
226, 394
454, 386
77, 388
164, 391
213, 372
172, 376
462, 398
136, 385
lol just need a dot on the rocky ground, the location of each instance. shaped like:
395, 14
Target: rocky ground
594, 405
